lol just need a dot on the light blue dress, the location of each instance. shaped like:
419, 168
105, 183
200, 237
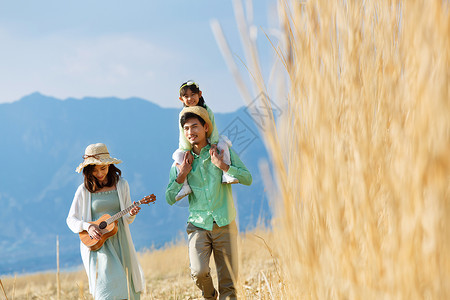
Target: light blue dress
107, 266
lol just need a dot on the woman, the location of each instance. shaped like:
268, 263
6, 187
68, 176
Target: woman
104, 191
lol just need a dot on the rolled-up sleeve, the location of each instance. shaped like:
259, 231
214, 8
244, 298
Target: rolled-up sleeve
239, 170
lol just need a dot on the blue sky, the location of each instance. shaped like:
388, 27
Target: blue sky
130, 48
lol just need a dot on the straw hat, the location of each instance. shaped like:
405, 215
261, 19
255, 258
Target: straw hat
201, 112
97, 154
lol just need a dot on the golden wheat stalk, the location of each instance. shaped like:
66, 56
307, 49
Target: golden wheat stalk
3, 289
80, 291
58, 280
360, 151
14, 287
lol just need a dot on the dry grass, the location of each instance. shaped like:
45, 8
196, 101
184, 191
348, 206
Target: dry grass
361, 152
166, 272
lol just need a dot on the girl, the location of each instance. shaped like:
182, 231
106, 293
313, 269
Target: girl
104, 191
191, 95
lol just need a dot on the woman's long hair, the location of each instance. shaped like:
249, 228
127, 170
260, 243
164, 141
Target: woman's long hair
92, 184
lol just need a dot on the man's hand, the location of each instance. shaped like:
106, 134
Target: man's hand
184, 168
217, 159
190, 157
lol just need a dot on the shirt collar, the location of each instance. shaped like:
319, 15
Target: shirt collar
206, 148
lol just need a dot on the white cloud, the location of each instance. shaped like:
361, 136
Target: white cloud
68, 65
113, 59
114, 65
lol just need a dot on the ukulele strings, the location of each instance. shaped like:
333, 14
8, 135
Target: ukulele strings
123, 212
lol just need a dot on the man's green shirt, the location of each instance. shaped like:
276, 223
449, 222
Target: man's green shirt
210, 200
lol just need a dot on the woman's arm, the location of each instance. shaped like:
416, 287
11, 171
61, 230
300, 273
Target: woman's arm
125, 192
75, 217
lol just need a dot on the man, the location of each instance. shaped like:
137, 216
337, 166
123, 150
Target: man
211, 224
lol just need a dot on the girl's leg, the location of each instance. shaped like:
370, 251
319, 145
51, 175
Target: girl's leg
224, 145
178, 156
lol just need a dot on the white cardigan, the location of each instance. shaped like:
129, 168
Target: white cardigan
80, 215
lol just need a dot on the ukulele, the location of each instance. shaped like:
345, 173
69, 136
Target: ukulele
108, 225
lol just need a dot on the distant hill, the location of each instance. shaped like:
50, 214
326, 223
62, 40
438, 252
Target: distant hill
42, 140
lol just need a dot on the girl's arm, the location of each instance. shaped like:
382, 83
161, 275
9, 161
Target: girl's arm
214, 138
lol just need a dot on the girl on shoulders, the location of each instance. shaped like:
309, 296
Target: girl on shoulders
191, 95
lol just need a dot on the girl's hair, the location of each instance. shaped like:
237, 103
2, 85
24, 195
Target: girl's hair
194, 89
91, 183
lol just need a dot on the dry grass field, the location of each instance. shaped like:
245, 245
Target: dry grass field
166, 272
360, 156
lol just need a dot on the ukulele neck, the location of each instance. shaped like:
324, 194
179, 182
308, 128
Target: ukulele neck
120, 214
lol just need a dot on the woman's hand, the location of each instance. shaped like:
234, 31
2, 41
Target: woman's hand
134, 211
95, 232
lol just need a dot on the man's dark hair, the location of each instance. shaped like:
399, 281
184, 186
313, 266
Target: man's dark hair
188, 116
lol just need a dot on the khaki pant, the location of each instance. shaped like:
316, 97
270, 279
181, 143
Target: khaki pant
222, 241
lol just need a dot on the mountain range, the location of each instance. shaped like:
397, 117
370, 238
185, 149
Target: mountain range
42, 140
